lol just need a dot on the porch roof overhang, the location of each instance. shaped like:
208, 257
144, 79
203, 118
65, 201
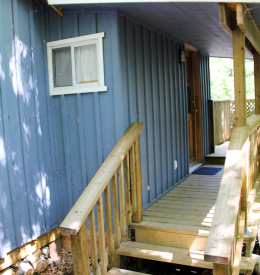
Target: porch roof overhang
195, 23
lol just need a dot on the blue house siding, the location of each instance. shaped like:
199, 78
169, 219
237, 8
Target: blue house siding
153, 84
87, 126
29, 206
51, 147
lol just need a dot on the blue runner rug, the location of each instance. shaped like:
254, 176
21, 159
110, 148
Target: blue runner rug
207, 171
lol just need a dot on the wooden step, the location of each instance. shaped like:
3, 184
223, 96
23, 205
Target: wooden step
171, 238
118, 271
175, 255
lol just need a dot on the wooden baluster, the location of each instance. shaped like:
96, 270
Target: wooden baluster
79, 247
122, 199
110, 241
133, 179
127, 190
115, 211
93, 241
101, 232
138, 216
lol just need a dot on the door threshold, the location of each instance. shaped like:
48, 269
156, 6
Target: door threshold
194, 166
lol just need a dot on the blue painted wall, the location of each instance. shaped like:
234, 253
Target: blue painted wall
29, 199
51, 147
155, 93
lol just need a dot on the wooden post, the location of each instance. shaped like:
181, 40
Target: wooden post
239, 77
110, 240
257, 82
115, 211
79, 247
93, 241
101, 231
219, 269
138, 215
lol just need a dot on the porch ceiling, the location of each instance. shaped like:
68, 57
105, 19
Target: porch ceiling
194, 23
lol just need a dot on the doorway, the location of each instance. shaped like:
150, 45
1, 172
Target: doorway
191, 108
194, 105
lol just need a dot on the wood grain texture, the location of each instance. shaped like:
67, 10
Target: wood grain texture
133, 179
117, 233
239, 244
248, 26
122, 199
79, 249
257, 82
221, 236
93, 242
239, 77
127, 190
138, 215
101, 231
110, 239
89, 197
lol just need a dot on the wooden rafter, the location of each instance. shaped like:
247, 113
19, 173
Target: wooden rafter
60, 11
248, 26
227, 18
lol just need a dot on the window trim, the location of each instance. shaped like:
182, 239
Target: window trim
97, 39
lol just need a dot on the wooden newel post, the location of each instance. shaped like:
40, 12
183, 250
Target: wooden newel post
257, 82
138, 216
79, 249
239, 77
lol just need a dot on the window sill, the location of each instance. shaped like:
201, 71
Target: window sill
76, 90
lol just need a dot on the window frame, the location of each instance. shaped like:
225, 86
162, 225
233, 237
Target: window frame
84, 40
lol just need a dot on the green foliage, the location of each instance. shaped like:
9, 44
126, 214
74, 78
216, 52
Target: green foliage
222, 78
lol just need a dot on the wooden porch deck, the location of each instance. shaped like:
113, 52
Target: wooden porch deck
189, 207
175, 229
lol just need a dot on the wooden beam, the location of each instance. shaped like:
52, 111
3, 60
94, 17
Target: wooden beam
239, 77
59, 10
248, 26
257, 82
190, 48
27, 249
227, 19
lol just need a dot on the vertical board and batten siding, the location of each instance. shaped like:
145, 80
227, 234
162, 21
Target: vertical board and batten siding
29, 202
88, 125
205, 97
50, 147
154, 89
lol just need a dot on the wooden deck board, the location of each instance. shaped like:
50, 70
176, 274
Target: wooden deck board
189, 206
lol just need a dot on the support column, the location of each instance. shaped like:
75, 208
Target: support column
257, 82
239, 77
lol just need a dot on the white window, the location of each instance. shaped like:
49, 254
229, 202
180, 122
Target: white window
75, 65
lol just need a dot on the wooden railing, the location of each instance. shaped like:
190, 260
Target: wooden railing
221, 119
225, 240
122, 167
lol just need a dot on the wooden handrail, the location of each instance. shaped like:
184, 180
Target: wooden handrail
82, 208
221, 235
223, 246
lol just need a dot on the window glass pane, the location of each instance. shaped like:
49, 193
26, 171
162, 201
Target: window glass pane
62, 70
86, 64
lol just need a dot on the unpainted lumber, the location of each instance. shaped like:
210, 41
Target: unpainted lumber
80, 252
